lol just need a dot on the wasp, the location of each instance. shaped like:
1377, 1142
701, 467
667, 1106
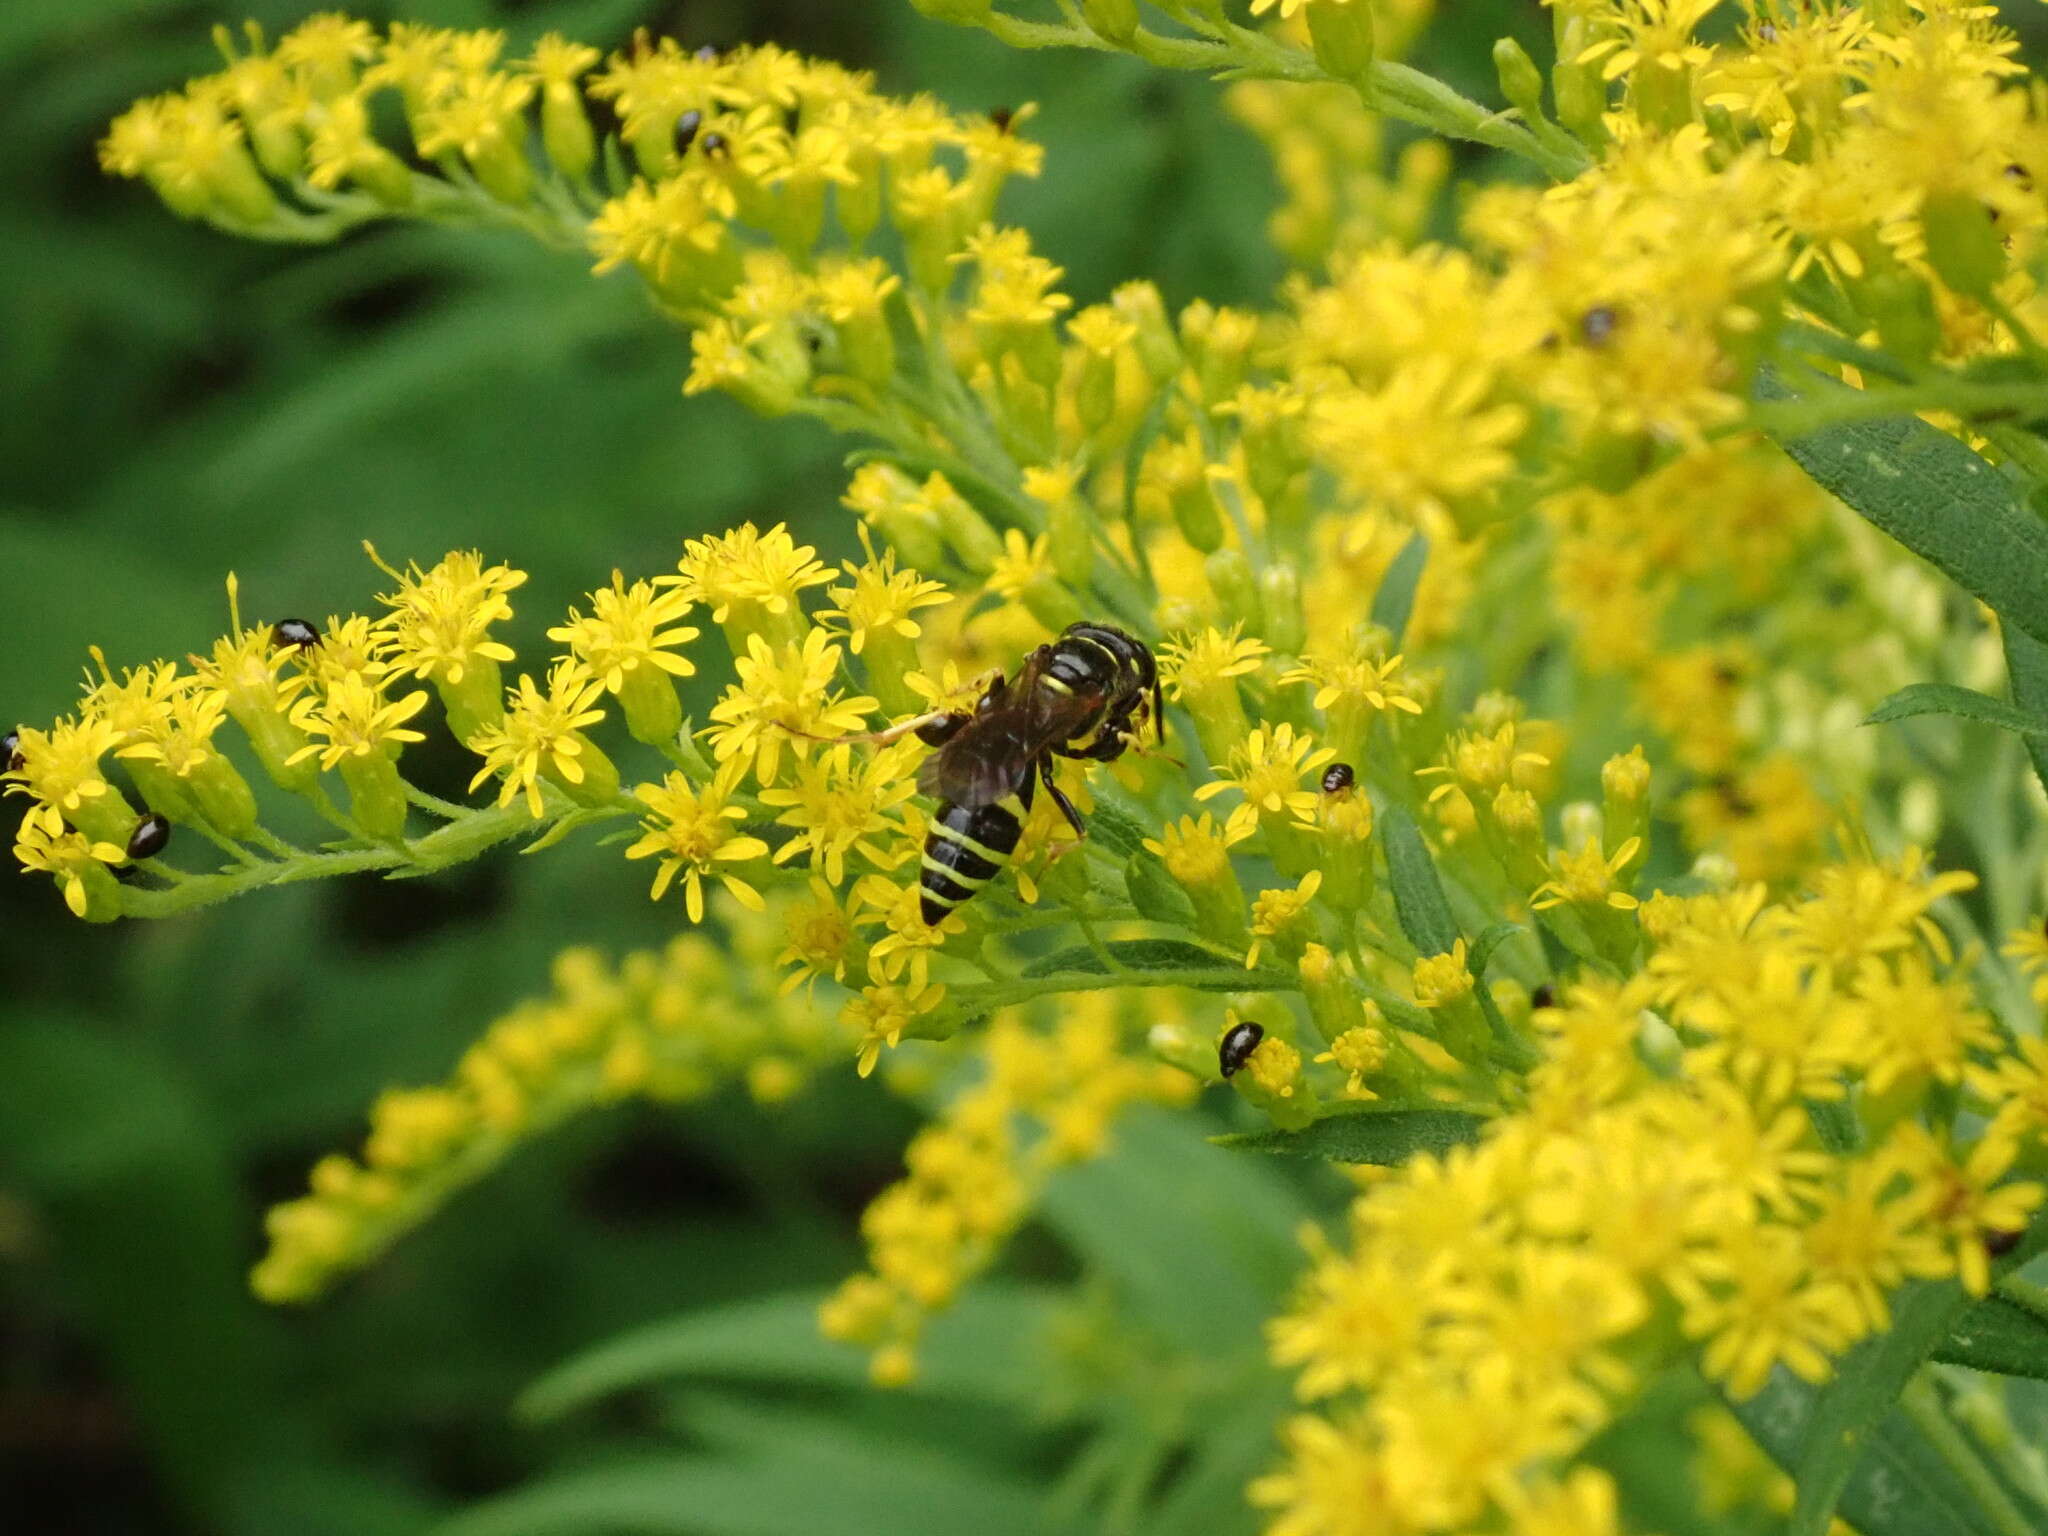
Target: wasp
1086, 695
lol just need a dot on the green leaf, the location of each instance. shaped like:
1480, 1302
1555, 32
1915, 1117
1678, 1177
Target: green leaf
1116, 829
1418, 895
979, 1348
1155, 893
1395, 599
1386, 1138
2026, 668
1995, 1335
1846, 1445
1487, 942
1210, 972
1964, 703
822, 1481
1166, 1200
1938, 498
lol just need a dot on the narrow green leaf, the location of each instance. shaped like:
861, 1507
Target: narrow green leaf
1395, 600
1994, 1335
1941, 500
1383, 1137
1149, 427
978, 1349
823, 1479
1116, 829
1155, 893
1418, 895
1963, 703
1208, 970
1889, 1483
1487, 942
1899, 1487
2026, 668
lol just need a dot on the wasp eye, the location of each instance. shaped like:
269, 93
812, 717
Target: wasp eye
686, 130
1545, 996
1598, 324
10, 752
295, 633
1999, 1244
710, 53
151, 836
1337, 778
1238, 1045
716, 146
1002, 117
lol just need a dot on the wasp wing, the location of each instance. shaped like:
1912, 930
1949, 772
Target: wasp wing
990, 757
987, 761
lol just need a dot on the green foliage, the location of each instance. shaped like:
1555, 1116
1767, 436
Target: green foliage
1385, 1138
180, 404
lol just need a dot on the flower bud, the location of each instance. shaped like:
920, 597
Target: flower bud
1520, 81
1237, 591
967, 533
376, 794
565, 131
223, 797
1197, 856
1114, 21
1271, 1081
961, 13
1286, 630
475, 704
1624, 808
1158, 350
1341, 33
647, 698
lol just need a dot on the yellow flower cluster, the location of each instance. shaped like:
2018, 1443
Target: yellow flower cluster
1043, 1100
673, 1025
1419, 552
1493, 1309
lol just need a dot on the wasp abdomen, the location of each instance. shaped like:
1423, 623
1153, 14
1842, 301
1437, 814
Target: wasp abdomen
967, 847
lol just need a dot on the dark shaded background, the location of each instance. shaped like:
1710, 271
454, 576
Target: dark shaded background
173, 404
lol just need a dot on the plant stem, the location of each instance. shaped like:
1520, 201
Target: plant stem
1923, 1405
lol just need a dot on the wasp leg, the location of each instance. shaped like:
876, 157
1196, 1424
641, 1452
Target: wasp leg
948, 720
1066, 806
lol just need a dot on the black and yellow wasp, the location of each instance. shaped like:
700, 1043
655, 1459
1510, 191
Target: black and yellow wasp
1085, 695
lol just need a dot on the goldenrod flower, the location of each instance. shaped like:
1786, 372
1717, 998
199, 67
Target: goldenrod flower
353, 719
1587, 878
882, 1012
78, 864
541, 736
1441, 980
784, 697
841, 803
750, 581
1267, 769
688, 827
628, 642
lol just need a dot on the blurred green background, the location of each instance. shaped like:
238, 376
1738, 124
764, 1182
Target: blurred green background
178, 404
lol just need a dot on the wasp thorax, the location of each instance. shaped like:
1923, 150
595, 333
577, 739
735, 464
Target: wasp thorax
1237, 1046
10, 752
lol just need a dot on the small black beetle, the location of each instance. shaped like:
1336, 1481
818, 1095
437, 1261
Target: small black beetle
151, 836
1238, 1045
